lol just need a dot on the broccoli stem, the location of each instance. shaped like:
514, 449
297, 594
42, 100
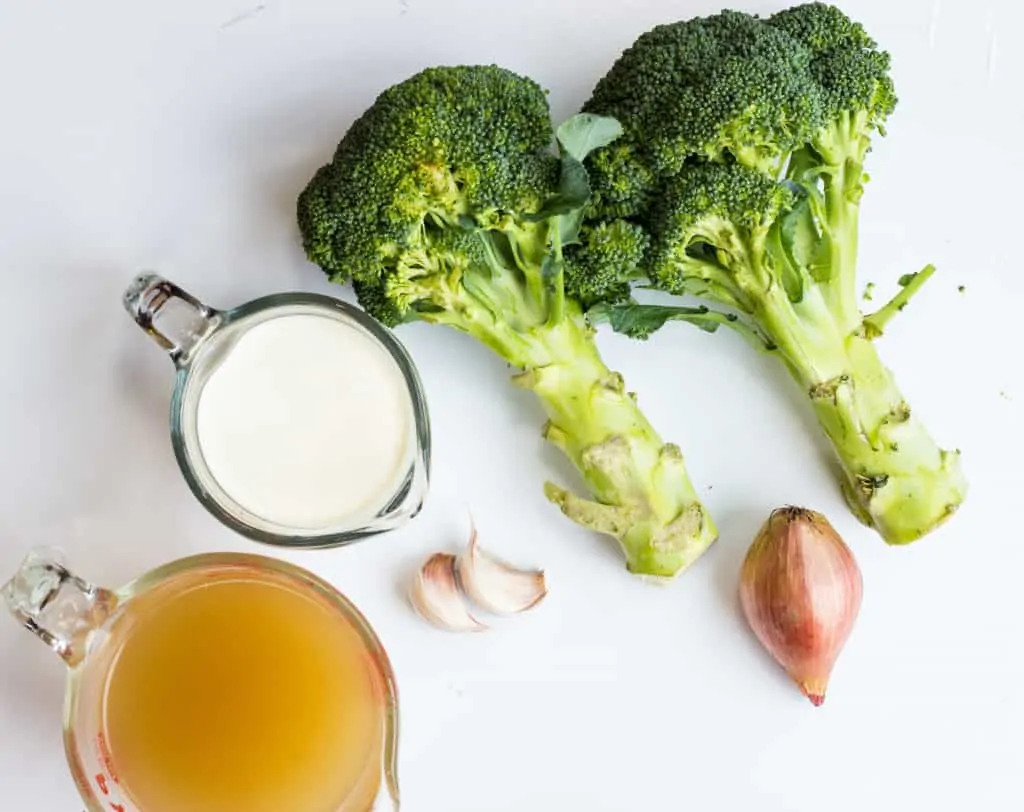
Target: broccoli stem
895, 478
839, 151
875, 324
843, 223
643, 494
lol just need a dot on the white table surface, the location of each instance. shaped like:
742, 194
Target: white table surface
176, 136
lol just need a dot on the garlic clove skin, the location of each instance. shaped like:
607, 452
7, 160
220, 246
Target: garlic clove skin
497, 586
801, 591
436, 597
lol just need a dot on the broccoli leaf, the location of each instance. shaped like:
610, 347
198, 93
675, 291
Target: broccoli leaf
569, 227
573, 192
799, 235
577, 137
585, 132
640, 321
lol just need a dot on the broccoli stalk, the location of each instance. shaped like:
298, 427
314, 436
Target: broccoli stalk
894, 476
643, 494
445, 203
742, 162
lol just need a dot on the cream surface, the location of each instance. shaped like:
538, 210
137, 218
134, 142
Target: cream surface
306, 422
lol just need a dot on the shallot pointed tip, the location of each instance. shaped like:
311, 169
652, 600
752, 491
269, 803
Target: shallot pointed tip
814, 689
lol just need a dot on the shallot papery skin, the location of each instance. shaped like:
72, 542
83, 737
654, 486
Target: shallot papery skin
801, 589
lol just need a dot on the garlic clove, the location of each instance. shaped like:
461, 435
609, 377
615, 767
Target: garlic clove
800, 590
497, 586
436, 597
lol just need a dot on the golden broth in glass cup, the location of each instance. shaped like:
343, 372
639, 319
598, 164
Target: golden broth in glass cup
217, 683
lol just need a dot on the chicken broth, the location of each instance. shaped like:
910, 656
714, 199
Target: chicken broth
234, 690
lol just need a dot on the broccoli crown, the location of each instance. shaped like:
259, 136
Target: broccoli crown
709, 87
446, 202
608, 258
731, 87
463, 146
729, 121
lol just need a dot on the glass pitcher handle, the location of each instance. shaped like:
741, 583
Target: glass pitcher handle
55, 604
184, 320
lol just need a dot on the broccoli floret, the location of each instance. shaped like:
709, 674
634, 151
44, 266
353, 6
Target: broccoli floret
704, 226
849, 69
446, 202
373, 297
743, 159
609, 255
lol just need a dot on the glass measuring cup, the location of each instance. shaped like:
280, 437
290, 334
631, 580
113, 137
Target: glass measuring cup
198, 338
89, 626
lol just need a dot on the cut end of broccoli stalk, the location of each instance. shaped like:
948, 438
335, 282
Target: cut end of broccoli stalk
907, 507
896, 478
652, 548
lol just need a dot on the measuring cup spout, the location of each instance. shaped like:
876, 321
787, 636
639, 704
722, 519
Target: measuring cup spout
56, 605
389, 799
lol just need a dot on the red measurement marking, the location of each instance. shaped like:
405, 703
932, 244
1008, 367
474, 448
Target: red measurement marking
105, 757
116, 807
101, 782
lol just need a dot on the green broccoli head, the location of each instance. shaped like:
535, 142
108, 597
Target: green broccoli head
447, 202
743, 159
624, 184
739, 130
461, 147
736, 87
721, 87
852, 74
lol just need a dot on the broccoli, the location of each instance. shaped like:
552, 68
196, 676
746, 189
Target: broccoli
742, 158
450, 200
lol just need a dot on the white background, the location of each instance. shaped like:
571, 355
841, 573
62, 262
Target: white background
176, 136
